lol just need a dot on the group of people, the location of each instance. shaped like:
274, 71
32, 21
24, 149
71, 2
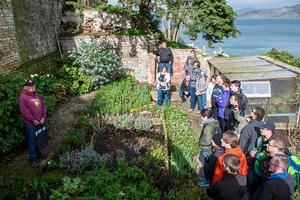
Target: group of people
238, 153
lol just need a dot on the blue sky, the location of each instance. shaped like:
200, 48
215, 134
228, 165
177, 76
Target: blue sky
259, 4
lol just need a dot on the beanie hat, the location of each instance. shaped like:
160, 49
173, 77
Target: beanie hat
29, 83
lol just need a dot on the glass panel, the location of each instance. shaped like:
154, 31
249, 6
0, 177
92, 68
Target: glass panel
256, 89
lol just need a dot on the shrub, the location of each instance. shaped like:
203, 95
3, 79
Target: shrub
134, 31
123, 183
283, 56
143, 124
73, 78
119, 97
11, 123
70, 188
124, 121
177, 45
97, 61
79, 161
73, 140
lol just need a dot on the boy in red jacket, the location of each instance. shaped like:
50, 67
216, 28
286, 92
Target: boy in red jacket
34, 113
230, 142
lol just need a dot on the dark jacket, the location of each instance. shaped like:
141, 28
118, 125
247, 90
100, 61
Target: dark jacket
277, 187
216, 92
232, 123
244, 101
208, 130
32, 107
210, 162
249, 135
184, 87
165, 55
233, 187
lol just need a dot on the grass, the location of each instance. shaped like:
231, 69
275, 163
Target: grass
177, 45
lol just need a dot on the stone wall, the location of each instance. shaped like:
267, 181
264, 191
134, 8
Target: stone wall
27, 33
133, 49
97, 23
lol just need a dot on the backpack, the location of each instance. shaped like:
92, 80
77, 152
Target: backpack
294, 169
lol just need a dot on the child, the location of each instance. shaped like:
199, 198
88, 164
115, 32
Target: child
234, 185
230, 142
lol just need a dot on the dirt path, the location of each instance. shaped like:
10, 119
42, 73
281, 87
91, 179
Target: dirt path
59, 124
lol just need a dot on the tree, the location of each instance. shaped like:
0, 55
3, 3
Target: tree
213, 18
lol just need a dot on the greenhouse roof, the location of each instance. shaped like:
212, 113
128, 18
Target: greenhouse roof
253, 68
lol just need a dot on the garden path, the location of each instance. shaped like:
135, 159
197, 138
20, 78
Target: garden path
59, 124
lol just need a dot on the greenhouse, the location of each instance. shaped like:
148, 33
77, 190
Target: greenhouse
266, 82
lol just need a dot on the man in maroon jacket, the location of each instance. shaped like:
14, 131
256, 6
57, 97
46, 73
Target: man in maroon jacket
34, 113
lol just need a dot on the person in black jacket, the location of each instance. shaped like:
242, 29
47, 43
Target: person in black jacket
165, 57
185, 88
280, 185
235, 87
210, 161
234, 185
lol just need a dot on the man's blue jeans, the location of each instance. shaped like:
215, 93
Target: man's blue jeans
182, 96
159, 98
33, 151
168, 65
201, 101
193, 97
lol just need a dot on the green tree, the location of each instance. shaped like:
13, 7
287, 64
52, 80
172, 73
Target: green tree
213, 18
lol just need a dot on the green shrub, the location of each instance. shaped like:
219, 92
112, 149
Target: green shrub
123, 183
73, 140
69, 190
124, 121
119, 97
79, 161
73, 78
283, 56
96, 60
115, 9
143, 124
11, 123
177, 45
134, 31
183, 141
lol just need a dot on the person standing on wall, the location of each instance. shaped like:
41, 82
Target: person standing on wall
188, 65
33, 111
165, 57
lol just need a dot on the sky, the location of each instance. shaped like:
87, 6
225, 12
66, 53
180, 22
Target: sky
261, 4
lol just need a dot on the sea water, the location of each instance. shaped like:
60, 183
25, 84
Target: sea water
258, 36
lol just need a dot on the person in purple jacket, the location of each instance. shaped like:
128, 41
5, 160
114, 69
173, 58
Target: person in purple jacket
34, 113
222, 101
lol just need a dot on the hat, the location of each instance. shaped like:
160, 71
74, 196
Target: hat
29, 83
217, 139
268, 125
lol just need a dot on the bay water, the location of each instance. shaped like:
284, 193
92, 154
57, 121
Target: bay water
258, 36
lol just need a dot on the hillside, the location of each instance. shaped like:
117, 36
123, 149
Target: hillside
291, 12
